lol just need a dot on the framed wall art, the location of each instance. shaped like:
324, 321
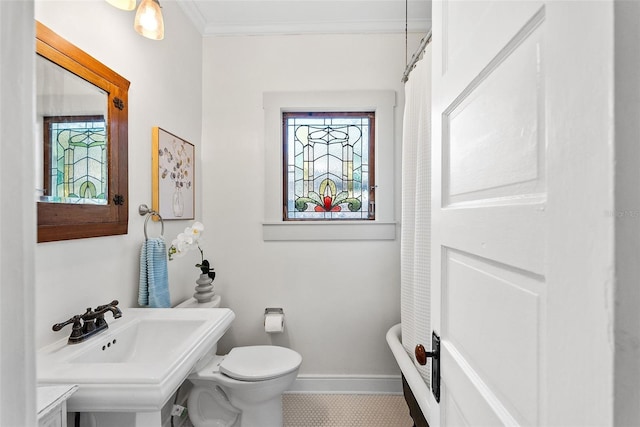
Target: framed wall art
173, 178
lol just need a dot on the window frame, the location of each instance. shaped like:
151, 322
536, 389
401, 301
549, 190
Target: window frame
370, 165
384, 227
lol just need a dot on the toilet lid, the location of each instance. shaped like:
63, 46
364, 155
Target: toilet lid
259, 362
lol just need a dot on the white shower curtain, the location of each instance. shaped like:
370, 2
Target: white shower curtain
416, 212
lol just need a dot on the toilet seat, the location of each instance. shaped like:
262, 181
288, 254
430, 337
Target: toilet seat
259, 362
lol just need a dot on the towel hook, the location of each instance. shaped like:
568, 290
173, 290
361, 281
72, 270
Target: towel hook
144, 210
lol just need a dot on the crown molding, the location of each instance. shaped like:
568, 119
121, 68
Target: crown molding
193, 13
213, 29
338, 27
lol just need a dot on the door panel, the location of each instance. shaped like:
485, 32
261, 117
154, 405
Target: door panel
493, 134
469, 397
522, 254
491, 220
500, 344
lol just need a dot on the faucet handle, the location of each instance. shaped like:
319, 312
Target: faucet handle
111, 304
74, 320
76, 331
77, 326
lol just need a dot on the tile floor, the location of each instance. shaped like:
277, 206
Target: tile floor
345, 410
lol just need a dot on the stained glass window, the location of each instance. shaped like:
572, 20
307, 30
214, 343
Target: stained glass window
329, 166
76, 159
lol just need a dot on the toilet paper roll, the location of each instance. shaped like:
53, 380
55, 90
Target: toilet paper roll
273, 323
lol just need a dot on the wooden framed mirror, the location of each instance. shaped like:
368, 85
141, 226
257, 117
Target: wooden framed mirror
82, 142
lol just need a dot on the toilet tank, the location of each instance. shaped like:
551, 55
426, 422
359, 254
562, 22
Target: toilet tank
193, 303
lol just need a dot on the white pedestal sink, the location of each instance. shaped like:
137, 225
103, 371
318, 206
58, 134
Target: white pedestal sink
135, 365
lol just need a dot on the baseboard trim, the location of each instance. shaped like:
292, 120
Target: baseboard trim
347, 384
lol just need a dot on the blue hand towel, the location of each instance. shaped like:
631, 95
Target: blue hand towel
154, 279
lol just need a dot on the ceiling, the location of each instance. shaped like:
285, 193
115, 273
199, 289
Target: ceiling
253, 17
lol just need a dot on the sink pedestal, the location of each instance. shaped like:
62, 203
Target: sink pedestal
148, 419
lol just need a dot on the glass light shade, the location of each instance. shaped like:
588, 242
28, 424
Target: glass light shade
123, 4
149, 22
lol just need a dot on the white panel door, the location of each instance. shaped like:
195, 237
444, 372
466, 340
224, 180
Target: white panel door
522, 249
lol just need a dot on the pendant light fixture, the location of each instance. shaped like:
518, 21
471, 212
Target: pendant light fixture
149, 22
123, 4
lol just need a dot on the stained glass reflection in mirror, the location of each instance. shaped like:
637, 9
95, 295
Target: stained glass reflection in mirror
329, 165
75, 161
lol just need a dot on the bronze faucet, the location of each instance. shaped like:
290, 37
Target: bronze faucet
90, 323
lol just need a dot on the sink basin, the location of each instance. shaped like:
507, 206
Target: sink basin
138, 362
141, 341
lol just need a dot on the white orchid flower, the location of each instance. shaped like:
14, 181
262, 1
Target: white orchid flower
197, 228
195, 231
176, 249
187, 241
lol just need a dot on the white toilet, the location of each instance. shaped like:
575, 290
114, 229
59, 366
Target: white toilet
243, 388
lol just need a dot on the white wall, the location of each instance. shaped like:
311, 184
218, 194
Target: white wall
165, 91
340, 298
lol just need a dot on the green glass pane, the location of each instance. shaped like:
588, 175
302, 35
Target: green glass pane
79, 157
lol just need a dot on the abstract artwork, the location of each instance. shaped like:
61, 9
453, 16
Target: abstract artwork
173, 175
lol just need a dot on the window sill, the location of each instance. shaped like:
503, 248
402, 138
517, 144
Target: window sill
328, 231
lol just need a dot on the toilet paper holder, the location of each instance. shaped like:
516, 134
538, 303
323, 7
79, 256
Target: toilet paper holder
273, 320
